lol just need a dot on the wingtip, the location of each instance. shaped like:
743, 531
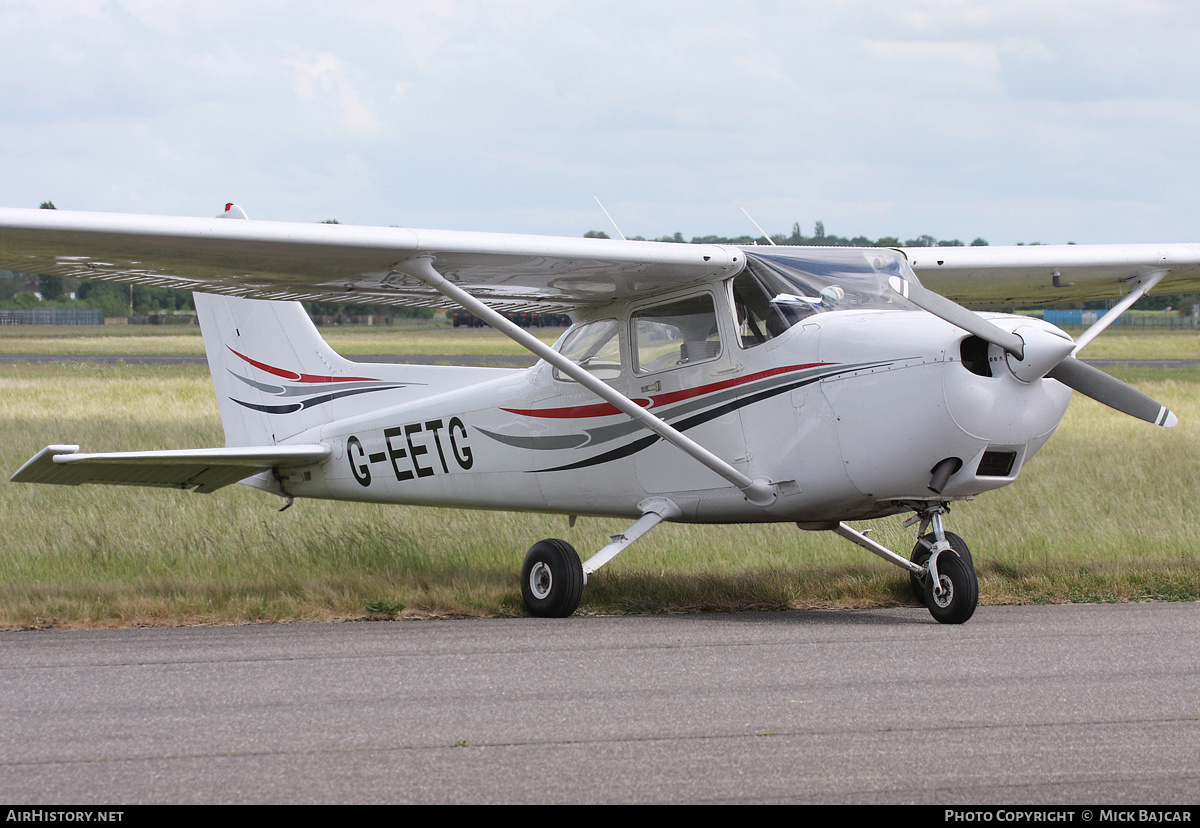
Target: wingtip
1167, 419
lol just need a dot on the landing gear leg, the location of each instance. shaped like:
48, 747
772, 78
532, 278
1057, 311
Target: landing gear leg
947, 584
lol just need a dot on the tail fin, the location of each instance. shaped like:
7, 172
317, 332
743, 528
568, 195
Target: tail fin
273, 373
275, 377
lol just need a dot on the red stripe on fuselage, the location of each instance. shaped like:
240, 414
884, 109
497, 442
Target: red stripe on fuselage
292, 375
607, 410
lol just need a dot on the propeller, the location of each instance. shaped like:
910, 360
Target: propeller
1102, 387
1038, 353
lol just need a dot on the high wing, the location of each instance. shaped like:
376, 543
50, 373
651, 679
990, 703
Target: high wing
1048, 274
345, 263
202, 470
366, 265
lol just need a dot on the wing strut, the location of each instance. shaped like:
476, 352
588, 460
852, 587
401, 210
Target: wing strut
760, 492
1139, 288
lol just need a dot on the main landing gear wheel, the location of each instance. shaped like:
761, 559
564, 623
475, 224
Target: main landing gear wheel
920, 555
552, 579
960, 593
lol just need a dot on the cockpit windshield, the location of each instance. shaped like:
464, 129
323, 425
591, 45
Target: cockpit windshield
779, 289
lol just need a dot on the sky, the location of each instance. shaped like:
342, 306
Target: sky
1015, 121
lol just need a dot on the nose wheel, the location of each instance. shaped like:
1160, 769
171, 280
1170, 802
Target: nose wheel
920, 556
958, 596
946, 584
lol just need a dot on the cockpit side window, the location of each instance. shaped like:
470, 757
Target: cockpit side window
595, 346
676, 333
758, 320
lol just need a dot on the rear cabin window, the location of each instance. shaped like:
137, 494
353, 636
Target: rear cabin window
675, 333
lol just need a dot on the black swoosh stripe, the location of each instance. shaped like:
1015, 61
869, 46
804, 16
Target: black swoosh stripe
309, 403
684, 425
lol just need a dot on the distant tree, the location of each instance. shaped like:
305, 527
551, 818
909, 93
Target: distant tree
9, 285
50, 287
331, 221
23, 300
47, 205
113, 300
819, 237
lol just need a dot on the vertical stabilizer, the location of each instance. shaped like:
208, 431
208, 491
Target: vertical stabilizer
275, 377
273, 373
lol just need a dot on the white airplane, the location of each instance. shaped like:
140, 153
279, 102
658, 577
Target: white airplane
698, 383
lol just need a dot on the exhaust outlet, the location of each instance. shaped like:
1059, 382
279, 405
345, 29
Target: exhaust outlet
942, 472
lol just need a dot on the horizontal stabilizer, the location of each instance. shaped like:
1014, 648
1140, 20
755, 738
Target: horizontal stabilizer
203, 470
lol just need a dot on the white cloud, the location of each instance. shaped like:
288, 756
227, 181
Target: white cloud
950, 117
321, 79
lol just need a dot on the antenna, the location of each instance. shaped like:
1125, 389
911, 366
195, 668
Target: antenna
610, 219
755, 223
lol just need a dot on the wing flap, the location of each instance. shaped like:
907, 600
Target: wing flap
202, 470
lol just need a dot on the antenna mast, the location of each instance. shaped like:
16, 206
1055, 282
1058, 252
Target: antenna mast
755, 223
610, 219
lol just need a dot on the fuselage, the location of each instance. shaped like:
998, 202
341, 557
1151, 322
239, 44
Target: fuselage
846, 403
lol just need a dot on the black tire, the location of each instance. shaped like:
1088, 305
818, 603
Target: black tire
552, 579
920, 555
962, 591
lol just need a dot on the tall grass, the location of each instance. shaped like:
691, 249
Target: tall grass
1105, 512
406, 336
436, 336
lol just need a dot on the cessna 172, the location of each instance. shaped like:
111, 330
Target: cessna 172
698, 383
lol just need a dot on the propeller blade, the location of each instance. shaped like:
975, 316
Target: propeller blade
1107, 389
957, 315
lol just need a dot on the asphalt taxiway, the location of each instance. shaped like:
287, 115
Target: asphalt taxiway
1031, 705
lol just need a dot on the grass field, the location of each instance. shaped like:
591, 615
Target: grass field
436, 336
406, 336
1106, 512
